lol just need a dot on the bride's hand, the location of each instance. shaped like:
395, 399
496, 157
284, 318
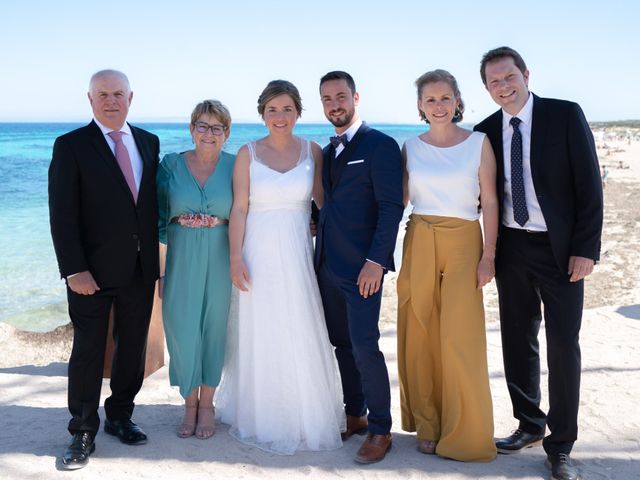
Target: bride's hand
240, 276
486, 271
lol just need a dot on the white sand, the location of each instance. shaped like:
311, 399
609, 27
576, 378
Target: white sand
33, 413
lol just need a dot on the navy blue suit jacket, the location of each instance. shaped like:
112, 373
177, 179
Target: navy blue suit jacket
362, 204
566, 176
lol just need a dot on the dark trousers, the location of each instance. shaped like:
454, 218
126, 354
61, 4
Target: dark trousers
90, 317
352, 323
526, 275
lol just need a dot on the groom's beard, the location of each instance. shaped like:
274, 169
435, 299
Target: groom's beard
344, 119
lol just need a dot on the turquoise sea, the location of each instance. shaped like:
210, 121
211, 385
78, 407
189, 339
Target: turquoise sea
32, 296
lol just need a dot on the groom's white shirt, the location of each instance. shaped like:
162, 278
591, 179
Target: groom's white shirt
349, 132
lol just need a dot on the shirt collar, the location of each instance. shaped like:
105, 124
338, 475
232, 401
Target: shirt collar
351, 131
106, 130
524, 115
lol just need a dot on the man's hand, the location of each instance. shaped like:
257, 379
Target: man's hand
83, 283
579, 267
313, 228
370, 278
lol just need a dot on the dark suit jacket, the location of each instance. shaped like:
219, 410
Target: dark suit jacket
362, 204
95, 224
566, 176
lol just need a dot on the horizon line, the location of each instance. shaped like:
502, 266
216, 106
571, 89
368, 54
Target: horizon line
183, 122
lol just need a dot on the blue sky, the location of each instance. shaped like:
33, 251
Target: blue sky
178, 53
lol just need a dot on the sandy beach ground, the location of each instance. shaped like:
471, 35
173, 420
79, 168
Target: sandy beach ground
33, 413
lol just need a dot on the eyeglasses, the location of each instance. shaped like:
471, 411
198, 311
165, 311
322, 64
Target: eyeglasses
202, 127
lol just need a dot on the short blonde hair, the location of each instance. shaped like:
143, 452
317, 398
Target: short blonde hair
212, 107
435, 76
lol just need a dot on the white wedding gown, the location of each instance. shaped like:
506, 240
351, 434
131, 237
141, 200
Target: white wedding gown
280, 389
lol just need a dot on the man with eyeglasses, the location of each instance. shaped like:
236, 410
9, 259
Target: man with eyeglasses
104, 224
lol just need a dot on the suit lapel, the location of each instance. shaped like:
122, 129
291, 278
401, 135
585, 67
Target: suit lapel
492, 126
107, 156
498, 147
147, 159
328, 156
538, 135
342, 159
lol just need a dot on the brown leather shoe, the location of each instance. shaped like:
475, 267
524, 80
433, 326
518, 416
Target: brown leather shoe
355, 426
374, 448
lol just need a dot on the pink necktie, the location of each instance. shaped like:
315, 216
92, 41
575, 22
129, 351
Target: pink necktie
122, 156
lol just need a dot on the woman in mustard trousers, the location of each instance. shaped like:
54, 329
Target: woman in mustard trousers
450, 176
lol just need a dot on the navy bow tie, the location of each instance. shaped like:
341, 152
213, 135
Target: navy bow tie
339, 139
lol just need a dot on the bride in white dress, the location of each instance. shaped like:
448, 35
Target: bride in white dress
280, 389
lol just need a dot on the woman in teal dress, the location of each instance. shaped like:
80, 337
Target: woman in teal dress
195, 197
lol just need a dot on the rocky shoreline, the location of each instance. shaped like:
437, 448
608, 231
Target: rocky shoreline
34, 348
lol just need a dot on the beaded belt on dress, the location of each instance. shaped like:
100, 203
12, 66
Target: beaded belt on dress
198, 220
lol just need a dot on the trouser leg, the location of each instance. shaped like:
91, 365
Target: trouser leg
335, 313
520, 317
132, 314
90, 318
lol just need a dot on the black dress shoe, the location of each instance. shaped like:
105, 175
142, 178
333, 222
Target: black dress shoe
127, 431
561, 467
77, 453
517, 441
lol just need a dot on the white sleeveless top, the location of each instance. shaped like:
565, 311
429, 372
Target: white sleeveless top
444, 181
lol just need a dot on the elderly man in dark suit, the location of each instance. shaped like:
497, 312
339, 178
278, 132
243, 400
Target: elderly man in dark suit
104, 224
549, 240
357, 229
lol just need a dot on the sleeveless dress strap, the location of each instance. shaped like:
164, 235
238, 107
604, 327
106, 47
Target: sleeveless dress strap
308, 149
305, 151
252, 151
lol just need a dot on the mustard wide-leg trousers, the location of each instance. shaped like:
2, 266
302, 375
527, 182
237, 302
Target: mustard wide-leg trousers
442, 356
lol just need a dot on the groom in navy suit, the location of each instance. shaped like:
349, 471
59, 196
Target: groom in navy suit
357, 229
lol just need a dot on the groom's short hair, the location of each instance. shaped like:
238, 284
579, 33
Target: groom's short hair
340, 75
